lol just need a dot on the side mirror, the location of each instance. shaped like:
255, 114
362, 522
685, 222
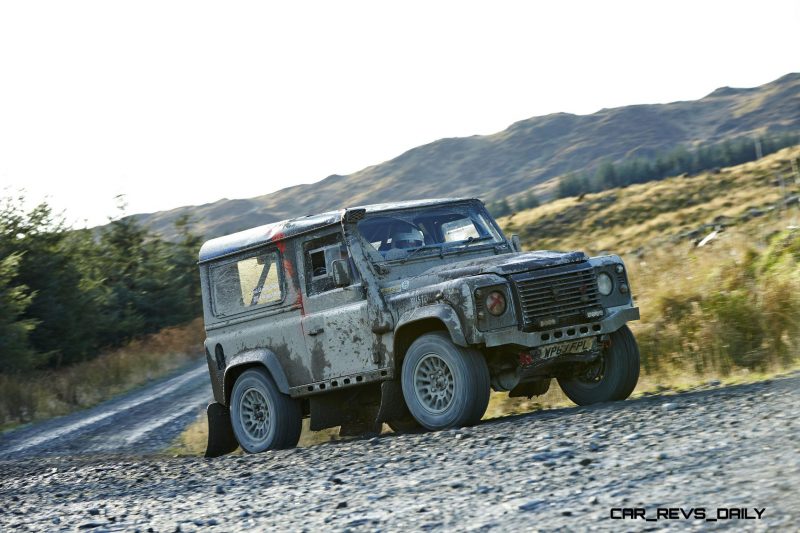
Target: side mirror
515, 243
341, 273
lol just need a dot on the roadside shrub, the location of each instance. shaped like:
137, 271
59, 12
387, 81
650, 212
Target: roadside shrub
734, 332
45, 393
715, 311
17, 400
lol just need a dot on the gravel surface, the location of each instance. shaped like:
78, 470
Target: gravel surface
145, 420
734, 447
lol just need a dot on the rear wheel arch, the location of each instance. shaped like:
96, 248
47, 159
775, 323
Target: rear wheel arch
233, 373
261, 358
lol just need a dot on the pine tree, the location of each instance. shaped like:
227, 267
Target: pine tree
15, 350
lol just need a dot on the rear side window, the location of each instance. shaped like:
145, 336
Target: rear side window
247, 283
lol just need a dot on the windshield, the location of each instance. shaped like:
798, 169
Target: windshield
397, 235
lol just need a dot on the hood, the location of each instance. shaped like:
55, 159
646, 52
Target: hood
505, 264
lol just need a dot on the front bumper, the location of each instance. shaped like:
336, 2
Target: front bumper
615, 318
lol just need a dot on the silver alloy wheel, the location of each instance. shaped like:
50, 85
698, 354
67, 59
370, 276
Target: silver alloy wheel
434, 383
254, 414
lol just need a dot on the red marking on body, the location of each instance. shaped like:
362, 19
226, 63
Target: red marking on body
289, 268
279, 242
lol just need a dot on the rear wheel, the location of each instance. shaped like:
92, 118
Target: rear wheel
263, 418
612, 376
444, 385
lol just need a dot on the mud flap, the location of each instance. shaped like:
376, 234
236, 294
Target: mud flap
393, 405
221, 439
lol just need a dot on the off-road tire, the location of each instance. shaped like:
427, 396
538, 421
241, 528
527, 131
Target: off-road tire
620, 373
405, 425
285, 413
470, 382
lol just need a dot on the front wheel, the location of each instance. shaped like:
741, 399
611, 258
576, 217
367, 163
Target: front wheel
263, 418
611, 377
408, 424
444, 385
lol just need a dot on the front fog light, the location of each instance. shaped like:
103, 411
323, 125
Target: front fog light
604, 284
496, 303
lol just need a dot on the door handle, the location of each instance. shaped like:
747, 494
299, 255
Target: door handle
316, 330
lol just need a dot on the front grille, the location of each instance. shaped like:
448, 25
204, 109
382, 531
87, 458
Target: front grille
560, 294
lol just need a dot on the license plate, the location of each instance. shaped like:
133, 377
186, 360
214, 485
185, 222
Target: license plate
566, 348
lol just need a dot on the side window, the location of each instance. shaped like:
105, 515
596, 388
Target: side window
318, 255
246, 283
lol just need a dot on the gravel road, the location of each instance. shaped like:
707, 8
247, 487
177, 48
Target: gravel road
145, 420
562, 469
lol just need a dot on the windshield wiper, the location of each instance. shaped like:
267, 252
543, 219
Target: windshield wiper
423, 247
477, 239
443, 245
458, 244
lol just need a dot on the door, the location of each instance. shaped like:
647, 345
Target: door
335, 323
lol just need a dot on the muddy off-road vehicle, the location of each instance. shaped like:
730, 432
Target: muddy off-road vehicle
405, 314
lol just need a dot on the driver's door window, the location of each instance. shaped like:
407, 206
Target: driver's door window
319, 254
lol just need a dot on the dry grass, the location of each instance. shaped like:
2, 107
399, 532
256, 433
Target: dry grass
653, 214
719, 308
45, 394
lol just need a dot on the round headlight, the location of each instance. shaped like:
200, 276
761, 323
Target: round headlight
496, 303
604, 284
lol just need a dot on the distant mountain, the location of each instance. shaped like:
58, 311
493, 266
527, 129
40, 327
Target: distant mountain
524, 155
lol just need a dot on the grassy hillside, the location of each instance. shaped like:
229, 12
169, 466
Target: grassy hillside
730, 305
668, 213
527, 154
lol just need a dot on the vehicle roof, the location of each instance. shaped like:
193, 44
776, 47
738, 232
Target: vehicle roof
285, 229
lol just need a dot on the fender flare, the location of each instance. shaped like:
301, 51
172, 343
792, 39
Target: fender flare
261, 356
444, 313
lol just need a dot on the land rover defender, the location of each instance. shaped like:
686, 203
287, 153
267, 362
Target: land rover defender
406, 314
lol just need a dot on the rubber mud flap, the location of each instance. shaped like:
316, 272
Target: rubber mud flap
221, 439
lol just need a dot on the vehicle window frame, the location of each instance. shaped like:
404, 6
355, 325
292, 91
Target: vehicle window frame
480, 211
236, 259
310, 281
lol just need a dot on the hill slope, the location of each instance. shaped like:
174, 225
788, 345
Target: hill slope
527, 153
733, 303
658, 214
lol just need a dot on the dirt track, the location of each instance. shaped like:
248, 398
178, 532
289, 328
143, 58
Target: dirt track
142, 421
733, 447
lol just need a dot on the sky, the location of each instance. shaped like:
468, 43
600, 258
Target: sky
176, 103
